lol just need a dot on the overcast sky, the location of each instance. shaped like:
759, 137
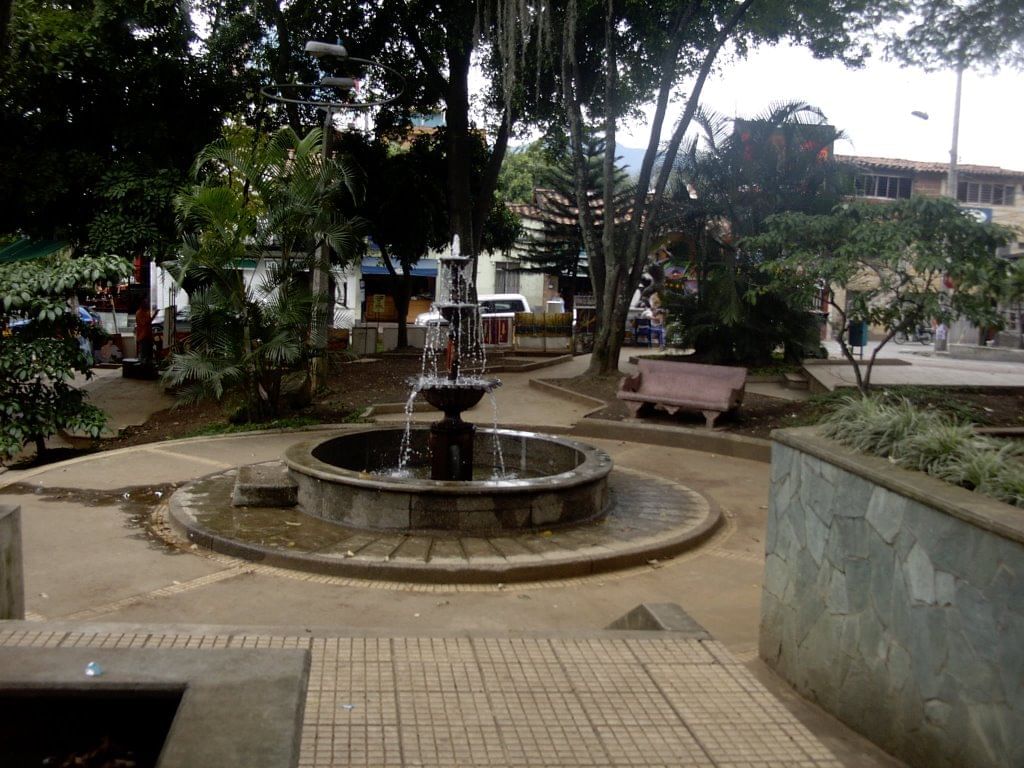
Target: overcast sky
873, 105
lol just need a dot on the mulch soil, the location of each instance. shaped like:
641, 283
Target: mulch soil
355, 385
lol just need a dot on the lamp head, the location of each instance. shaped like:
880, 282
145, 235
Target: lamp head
319, 50
344, 83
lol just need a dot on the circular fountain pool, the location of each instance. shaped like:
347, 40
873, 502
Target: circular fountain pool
546, 481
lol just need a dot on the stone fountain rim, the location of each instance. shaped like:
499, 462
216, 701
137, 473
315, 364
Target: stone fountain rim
299, 458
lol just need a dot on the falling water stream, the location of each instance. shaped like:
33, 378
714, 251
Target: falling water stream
457, 337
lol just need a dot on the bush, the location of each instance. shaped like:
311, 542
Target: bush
930, 442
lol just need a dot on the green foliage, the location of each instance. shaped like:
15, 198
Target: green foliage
930, 442
275, 202
39, 359
104, 105
522, 172
892, 260
743, 172
988, 34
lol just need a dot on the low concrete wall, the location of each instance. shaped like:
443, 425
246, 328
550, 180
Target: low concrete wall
896, 602
12, 579
988, 354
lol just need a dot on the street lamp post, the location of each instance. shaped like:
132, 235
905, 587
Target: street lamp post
952, 182
952, 175
303, 94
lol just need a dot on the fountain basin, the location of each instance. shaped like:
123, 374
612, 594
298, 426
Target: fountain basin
349, 479
453, 397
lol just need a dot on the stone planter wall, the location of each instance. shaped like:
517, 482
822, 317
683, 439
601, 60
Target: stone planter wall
12, 577
896, 602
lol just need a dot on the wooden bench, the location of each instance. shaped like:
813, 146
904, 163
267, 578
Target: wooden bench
672, 387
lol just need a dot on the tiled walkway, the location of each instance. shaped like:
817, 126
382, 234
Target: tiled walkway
595, 699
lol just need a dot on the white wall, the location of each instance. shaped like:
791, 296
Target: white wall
164, 291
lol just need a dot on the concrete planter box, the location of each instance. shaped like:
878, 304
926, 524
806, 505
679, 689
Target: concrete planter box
549, 344
896, 602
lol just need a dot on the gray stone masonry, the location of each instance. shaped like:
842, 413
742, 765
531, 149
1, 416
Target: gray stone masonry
896, 602
12, 579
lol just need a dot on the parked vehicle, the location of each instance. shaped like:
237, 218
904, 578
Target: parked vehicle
88, 317
182, 327
491, 305
92, 332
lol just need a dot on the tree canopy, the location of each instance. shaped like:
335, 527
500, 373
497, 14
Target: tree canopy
102, 107
892, 263
726, 183
962, 34
617, 56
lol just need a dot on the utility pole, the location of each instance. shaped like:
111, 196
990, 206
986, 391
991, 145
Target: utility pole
304, 93
952, 180
321, 278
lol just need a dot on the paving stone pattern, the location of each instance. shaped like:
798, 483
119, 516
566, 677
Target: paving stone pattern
589, 700
904, 621
647, 513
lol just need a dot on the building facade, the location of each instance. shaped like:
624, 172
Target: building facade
990, 193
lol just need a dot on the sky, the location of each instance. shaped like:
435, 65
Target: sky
873, 106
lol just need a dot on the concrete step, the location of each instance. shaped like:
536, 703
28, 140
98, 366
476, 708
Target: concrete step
796, 381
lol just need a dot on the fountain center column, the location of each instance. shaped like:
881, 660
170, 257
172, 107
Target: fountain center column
451, 439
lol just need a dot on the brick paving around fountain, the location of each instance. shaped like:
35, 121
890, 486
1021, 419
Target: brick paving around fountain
651, 518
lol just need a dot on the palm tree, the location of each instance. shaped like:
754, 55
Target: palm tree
726, 183
273, 204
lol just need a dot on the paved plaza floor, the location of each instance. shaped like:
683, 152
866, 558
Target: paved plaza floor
435, 673
557, 699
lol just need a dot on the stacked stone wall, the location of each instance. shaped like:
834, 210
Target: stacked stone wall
896, 602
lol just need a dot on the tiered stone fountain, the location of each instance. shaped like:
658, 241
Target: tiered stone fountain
448, 502
377, 478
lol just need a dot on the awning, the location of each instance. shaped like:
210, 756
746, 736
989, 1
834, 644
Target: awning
423, 268
26, 250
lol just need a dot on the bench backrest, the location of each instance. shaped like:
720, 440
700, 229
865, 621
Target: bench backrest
663, 377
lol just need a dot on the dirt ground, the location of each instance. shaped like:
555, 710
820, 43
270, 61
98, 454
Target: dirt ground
356, 385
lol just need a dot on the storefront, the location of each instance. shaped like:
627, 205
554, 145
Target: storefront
378, 303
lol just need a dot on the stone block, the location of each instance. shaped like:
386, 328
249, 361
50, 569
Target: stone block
885, 513
816, 536
836, 600
776, 576
12, 577
545, 510
479, 520
920, 575
264, 485
858, 584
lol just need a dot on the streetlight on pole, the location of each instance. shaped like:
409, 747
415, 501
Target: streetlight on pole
952, 175
305, 93
952, 182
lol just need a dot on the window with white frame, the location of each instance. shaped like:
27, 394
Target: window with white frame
506, 277
877, 185
985, 192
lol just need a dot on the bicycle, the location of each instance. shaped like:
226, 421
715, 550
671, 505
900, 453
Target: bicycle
921, 335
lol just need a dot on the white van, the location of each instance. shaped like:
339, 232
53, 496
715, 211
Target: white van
491, 305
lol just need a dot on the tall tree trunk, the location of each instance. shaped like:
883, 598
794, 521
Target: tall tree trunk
460, 195
624, 267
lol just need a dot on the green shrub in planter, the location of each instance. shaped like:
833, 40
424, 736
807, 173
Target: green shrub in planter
930, 442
